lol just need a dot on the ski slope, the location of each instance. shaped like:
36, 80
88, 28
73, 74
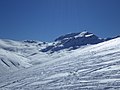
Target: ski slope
16, 55
92, 67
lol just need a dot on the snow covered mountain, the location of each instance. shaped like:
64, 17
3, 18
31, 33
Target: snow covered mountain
84, 67
73, 41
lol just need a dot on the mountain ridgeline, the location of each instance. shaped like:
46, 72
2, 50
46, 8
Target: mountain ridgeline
74, 40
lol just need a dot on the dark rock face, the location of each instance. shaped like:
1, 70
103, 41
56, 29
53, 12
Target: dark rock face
80, 39
66, 36
30, 41
73, 41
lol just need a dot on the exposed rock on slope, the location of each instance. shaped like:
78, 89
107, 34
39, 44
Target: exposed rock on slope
73, 41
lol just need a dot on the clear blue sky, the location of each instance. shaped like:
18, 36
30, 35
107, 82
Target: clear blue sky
47, 19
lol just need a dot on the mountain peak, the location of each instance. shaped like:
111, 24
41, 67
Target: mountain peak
84, 34
74, 35
73, 40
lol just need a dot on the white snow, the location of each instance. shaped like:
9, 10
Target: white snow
58, 75
91, 67
41, 82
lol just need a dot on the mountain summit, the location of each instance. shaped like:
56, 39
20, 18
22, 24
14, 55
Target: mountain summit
73, 41
75, 35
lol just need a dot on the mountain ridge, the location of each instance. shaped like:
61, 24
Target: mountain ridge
74, 41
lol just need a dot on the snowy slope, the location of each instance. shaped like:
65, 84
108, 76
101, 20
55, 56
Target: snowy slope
9, 61
25, 48
92, 67
16, 55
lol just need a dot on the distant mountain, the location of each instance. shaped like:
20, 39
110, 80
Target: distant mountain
73, 41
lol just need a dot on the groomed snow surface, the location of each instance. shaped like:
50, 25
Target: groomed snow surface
92, 67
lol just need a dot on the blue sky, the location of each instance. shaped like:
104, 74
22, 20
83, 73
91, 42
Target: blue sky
47, 19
